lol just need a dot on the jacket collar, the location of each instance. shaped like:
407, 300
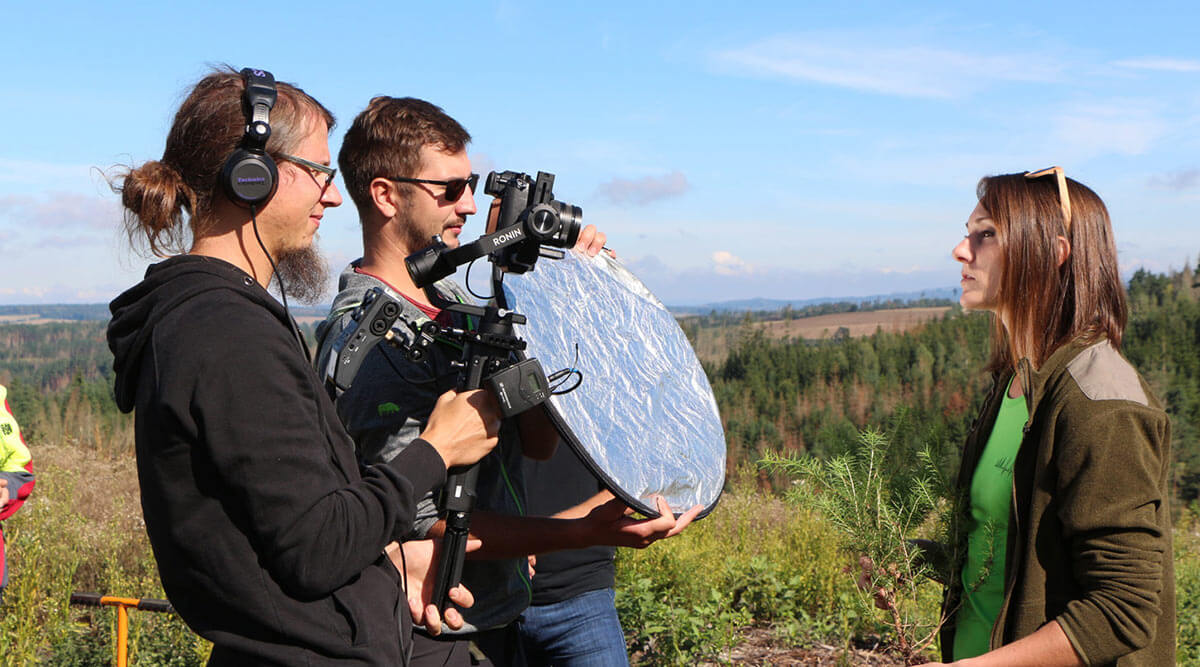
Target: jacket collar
1035, 383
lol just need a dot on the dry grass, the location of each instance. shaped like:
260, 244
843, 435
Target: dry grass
713, 343
762, 646
31, 319
82, 531
859, 323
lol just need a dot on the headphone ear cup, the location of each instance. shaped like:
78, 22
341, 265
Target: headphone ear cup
249, 177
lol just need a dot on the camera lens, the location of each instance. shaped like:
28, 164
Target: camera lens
570, 219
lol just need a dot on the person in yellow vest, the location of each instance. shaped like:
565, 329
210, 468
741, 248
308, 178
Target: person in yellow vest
16, 475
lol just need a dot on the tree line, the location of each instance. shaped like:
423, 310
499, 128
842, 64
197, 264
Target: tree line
923, 386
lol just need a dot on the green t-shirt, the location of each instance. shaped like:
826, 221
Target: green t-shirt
991, 500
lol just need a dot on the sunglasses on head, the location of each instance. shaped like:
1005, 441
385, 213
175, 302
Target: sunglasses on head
455, 187
1064, 196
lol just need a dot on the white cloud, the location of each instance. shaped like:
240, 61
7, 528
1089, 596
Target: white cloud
57, 241
60, 293
37, 293
1178, 181
726, 263
36, 173
645, 190
906, 270
67, 211
883, 63
1118, 127
482, 163
680, 286
1160, 64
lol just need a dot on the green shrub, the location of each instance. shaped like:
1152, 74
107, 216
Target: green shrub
755, 560
81, 530
875, 517
1187, 588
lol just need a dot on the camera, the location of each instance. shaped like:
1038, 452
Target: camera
530, 203
529, 224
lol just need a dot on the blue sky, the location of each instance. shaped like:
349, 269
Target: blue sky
729, 150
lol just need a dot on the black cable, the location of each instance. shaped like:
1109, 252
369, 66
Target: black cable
405, 610
279, 279
567, 372
468, 281
274, 270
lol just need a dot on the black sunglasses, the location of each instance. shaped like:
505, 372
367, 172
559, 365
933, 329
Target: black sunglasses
454, 187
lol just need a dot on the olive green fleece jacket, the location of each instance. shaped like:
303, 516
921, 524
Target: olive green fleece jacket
1089, 539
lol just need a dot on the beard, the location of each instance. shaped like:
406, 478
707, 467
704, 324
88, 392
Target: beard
418, 234
415, 238
304, 273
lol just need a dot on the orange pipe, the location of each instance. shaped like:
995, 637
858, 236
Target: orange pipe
122, 635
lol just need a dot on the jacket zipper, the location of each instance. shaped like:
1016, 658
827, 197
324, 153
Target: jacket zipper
1010, 578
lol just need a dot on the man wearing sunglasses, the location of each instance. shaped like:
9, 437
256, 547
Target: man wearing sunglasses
405, 165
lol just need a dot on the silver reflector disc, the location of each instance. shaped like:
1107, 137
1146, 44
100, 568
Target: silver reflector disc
644, 418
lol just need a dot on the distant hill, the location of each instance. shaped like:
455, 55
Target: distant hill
89, 312
760, 305
35, 313
76, 312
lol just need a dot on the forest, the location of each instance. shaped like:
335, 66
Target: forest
686, 601
926, 385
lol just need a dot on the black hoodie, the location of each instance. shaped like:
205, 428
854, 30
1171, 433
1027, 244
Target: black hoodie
267, 534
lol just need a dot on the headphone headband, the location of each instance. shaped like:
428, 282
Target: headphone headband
257, 102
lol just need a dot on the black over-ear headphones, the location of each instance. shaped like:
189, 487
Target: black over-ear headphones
249, 175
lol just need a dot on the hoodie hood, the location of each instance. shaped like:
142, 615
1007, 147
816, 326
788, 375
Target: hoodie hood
166, 286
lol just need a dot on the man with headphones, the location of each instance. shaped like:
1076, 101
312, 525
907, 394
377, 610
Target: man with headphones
269, 536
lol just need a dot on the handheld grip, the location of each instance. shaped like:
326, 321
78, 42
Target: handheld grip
459, 502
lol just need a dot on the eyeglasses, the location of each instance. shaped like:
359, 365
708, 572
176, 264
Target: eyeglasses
455, 187
1064, 197
316, 169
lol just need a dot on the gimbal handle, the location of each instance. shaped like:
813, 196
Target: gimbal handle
493, 340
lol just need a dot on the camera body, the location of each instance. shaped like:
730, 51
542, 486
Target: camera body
530, 203
529, 224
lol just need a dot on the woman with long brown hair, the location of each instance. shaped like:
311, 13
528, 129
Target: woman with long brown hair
1065, 474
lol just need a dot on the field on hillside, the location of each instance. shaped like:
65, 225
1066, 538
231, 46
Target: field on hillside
856, 324
29, 319
712, 343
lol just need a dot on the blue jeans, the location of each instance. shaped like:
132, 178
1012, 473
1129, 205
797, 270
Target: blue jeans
582, 631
